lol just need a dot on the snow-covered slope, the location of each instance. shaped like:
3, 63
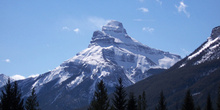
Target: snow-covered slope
4, 80
110, 55
209, 50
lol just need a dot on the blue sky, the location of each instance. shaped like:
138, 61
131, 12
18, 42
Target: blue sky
37, 36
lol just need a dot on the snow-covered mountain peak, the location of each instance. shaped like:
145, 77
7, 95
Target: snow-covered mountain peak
114, 47
215, 32
113, 33
111, 54
114, 26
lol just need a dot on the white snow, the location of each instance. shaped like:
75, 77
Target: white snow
104, 74
54, 74
197, 93
91, 55
17, 77
76, 81
167, 62
182, 65
210, 47
209, 42
208, 55
33, 76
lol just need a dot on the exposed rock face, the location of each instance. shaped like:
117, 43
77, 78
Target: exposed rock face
114, 26
215, 32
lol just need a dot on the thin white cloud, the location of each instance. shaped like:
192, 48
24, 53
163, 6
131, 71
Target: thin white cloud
160, 2
76, 30
182, 8
66, 28
7, 60
97, 22
148, 29
144, 10
17, 77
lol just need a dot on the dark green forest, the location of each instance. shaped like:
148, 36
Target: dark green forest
122, 101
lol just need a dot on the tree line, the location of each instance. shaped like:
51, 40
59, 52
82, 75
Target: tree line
11, 98
120, 101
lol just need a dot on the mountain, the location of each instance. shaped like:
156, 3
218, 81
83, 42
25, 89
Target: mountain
3, 80
198, 72
208, 51
111, 54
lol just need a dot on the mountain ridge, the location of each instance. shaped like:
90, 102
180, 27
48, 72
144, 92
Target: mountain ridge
201, 78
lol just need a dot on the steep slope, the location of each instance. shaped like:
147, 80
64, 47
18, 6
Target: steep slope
208, 51
198, 72
111, 54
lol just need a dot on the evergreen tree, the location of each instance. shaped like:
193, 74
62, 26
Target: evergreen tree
0, 106
18, 102
7, 96
188, 102
131, 102
162, 102
100, 100
144, 101
209, 103
11, 98
139, 103
218, 99
119, 101
31, 102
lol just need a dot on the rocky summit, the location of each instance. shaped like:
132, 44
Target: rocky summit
215, 32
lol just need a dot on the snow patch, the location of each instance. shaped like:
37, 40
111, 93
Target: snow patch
104, 74
33, 76
182, 65
194, 94
76, 81
209, 42
167, 62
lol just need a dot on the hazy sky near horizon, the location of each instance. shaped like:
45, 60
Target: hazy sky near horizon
37, 36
